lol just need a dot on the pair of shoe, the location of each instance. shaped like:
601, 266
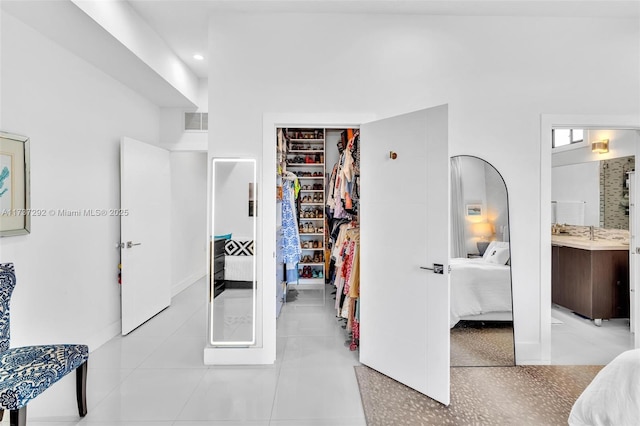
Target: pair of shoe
305, 272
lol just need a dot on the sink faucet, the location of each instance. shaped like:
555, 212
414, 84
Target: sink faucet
591, 233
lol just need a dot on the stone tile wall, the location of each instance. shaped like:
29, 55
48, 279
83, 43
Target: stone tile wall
614, 193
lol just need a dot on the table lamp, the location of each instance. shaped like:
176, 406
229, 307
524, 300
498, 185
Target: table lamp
482, 230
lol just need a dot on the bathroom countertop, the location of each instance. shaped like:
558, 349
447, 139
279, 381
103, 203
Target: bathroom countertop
585, 243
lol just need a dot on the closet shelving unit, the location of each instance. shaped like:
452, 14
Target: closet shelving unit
305, 157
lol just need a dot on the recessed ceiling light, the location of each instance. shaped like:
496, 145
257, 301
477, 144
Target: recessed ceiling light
198, 57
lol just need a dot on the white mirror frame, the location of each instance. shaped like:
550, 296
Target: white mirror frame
210, 321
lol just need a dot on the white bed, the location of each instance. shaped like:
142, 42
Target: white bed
613, 396
239, 259
238, 268
480, 290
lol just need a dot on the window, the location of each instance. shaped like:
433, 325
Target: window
565, 137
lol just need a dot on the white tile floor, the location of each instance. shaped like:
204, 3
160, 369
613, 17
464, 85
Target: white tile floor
577, 341
155, 375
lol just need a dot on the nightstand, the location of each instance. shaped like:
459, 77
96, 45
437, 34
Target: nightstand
218, 266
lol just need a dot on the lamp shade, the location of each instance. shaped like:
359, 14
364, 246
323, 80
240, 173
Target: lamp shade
482, 229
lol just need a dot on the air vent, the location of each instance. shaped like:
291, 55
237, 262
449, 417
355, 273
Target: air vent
196, 121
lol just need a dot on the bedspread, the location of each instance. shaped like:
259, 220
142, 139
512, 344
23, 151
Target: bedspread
613, 397
478, 287
238, 268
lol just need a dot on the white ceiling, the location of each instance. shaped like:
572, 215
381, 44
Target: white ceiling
184, 23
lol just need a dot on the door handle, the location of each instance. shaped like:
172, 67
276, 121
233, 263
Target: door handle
131, 244
437, 268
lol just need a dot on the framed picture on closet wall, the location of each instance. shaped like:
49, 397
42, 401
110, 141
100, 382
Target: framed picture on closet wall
474, 209
15, 213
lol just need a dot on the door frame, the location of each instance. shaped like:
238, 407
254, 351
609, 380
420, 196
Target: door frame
264, 352
547, 123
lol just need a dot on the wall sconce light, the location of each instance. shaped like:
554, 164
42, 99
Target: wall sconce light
600, 146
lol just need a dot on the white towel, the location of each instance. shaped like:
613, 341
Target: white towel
570, 212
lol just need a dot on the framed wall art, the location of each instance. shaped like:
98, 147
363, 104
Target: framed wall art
15, 212
474, 210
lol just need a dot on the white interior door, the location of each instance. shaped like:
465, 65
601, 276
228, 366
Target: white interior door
634, 257
405, 227
145, 195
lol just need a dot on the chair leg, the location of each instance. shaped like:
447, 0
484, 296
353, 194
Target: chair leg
1, 414
18, 417
81, 389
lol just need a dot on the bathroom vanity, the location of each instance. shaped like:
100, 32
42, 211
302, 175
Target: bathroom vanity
590, 277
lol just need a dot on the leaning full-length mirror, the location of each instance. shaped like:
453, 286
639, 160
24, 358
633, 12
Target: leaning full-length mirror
481, 317
232, 291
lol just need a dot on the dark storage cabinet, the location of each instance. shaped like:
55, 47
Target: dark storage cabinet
218, 266
592, 283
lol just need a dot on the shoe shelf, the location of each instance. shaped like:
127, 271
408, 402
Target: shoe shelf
305, 156
305, 165
307, 281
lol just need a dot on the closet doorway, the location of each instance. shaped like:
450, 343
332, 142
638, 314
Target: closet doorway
404, 291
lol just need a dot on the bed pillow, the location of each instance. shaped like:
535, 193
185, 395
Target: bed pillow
494, 244
238, 248
498, 255
222, 237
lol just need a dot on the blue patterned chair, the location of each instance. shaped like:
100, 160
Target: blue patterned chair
28, 371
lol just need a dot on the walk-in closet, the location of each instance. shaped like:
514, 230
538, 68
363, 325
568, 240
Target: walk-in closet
318, 234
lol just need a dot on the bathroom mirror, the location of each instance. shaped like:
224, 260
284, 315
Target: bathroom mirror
481, 316
592, 193
232, 291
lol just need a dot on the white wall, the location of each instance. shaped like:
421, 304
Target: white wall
188, 218
579, 182
231, 197
474, 190
172, 134
497, 202
496, 74
67, 268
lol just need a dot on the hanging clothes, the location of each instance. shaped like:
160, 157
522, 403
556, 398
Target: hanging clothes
292, 251
343, 196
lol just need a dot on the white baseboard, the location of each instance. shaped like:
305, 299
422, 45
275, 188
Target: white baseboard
530, 353
103, 336
182, 285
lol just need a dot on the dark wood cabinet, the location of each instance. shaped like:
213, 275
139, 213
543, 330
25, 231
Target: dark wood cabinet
218, 266
592, 283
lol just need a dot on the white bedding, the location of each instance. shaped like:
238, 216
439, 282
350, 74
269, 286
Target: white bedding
613, 397
478, 287
238, 268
